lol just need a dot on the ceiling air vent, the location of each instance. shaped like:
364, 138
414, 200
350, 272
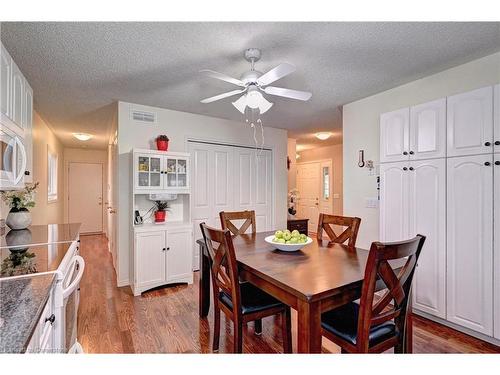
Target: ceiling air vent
142, 116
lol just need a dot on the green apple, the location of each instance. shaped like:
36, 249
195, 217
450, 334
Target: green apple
275, 239
287, 236
280, 240
302, 240
295, 233
288, 242
287, 231
303, 237
278, 234
294, 240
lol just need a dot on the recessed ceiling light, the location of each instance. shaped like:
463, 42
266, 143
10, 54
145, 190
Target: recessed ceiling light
323, 135
82, 136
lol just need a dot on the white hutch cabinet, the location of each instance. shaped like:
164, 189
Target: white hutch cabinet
163, 252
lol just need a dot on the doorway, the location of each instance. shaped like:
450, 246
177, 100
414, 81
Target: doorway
314, 183
85, 196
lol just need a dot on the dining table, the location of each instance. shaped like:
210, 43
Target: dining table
317, 278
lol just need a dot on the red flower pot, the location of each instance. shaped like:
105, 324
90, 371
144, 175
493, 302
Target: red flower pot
160, 216
162, 145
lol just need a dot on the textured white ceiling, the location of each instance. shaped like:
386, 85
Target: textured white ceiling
78, 69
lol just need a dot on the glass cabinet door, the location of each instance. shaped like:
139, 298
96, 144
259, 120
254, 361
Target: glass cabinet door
148, 171
181, 172
176, 172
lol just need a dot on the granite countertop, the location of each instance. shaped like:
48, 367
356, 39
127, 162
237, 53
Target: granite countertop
39, 235
22, 301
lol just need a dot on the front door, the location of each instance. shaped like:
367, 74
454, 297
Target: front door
308, 185
85, 196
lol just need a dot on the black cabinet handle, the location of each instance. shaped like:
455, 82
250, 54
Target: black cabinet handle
497, 143
411, 168
26, 173
51, 319
487, 163
163, 249
405, 169
168, 248
411, 152
405, 153
497, 162
487, 143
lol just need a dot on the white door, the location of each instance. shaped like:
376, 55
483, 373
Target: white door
28, 126
394, 135
496, 239
309, 186
179, 256
427, 216
85, 196
470, 242
150, 262
253, 185
5, 81
17, 95
428, 130
496, 119
112, 200
394, 182
470, 122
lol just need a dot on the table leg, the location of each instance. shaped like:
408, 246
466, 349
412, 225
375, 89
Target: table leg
408, 343
204, 283
309, 327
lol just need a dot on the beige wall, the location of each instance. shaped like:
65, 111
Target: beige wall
83, 155
361, 130
181, 126
292, 172
335, 154
44, 139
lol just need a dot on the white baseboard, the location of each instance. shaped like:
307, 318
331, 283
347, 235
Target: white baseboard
467, 331
120, 283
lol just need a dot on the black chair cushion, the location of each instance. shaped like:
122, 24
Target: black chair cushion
253, 299
343, 322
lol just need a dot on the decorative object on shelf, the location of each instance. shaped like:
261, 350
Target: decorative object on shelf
19, 201
162, 142
161, 211
138, 220
293, 197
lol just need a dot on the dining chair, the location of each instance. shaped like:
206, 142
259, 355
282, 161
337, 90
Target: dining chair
240, 302
368, 327
349, 234
227, 218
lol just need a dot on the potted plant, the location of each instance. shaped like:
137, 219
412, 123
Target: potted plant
161, 211
162, 142
19, 201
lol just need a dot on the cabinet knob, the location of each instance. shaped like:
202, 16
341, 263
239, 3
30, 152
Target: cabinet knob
163, 249
487, 163
405, 153
26, 173
405, 169
497, 162
51, 319
497, 143
411, 168
168, 248
487, 143
411, 152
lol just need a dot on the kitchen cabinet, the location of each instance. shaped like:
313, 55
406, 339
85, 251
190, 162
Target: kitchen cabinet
470, 242
428, 130
17, 96
43, 337
162, 255
394, 135
161, 171
496, 239
496, 118
28, 131
470, 122
5, 82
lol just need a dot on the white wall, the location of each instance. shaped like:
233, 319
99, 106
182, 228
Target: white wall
181, 126
292, 172
85, 155
361, 130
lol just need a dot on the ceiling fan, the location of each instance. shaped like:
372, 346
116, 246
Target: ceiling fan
253, 83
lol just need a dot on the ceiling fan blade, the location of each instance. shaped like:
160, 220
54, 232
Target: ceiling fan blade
222, 96
287, 93
276, 73
223, 77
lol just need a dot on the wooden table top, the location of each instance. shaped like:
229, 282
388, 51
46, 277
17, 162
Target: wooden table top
317, 271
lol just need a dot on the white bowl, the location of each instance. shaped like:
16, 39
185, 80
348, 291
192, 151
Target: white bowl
287, 247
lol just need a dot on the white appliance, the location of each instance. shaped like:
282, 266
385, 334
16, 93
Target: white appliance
13, 160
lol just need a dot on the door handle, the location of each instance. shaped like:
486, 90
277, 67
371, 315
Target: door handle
20, 147
112, 211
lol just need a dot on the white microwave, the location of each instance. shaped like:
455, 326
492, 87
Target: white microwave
12, 160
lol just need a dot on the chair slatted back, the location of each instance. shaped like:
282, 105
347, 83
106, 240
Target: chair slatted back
226, 219
394, 301
224, 268
350, 234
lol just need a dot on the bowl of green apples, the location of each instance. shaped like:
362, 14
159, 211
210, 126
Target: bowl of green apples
285, 240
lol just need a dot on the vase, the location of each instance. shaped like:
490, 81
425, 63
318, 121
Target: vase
18, 219
160, 216
162, 145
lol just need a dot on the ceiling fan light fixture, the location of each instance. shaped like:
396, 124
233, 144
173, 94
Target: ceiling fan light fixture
265, 105
254, 99
241, 104
323, 136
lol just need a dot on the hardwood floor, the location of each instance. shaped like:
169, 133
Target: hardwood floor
165, 320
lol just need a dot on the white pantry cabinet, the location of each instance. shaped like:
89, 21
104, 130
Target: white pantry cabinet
427, 212
470, 122
394, 135
428, 130
496, 239
5, 82
162, 255
496, 119
470, 242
